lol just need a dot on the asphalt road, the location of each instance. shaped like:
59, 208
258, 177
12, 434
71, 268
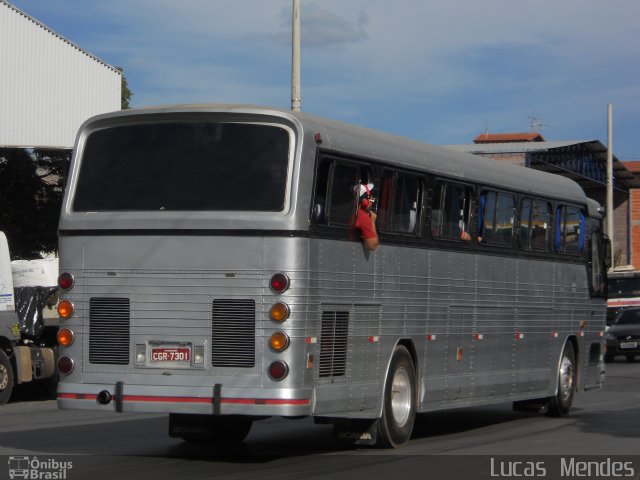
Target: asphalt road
465, 443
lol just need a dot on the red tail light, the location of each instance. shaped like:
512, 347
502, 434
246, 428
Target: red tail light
278, 370
65, 365
66, 281
279, 282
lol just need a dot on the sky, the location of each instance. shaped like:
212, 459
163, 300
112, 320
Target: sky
438, 71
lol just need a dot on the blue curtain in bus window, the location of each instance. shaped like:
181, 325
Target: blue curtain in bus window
583, 232
570, 230
573, 230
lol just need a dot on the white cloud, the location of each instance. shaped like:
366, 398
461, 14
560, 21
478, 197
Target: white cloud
408, 65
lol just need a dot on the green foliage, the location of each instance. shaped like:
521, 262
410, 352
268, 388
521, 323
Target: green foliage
125, 92
31, 191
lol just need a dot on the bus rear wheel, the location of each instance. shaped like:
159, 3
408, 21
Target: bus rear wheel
399, 401
560, 403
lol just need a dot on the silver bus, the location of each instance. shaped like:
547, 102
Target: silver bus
210, 271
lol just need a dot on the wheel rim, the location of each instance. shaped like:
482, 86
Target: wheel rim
401, 397
567, 375
4, 377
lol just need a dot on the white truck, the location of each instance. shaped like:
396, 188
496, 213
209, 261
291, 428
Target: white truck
28, 338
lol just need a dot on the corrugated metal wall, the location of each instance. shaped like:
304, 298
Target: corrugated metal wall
48, 86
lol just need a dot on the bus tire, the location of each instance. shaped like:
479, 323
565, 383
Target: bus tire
560, 403
399, 401
6, 378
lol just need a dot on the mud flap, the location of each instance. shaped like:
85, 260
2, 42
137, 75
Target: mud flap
358, 432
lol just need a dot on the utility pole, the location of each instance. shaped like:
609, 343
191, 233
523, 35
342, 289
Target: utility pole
295, 58
609, 207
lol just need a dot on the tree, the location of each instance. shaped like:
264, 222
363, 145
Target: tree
125, 92
31, 191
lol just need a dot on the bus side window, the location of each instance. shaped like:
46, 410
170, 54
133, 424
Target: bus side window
405, 204
497, 212
570, 230
320, 200
598, 284
535, 224
540, 225
526, 229
450, 214
341, 203
334, 201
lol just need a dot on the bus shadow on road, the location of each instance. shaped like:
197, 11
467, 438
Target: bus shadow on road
619, 423
461, 420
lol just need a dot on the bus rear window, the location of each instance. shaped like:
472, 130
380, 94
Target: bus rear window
186, 166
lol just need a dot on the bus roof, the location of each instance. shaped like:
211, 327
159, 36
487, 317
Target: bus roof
375, 145
441, 161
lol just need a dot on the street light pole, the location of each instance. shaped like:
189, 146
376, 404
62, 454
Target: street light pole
295, 58
609, 206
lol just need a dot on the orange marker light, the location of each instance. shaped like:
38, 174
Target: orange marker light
279, 341
279, 312
65, 337
65, 309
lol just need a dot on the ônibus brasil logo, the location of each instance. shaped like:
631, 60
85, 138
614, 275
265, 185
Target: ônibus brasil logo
33, 468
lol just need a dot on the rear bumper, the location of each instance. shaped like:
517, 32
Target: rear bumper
218, 400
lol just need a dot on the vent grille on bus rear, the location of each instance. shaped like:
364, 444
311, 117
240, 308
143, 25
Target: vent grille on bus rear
233, 333
333, 343
109, 332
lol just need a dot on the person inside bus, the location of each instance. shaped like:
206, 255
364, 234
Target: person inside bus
365, 216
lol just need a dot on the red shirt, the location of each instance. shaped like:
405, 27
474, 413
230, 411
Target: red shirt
365, 224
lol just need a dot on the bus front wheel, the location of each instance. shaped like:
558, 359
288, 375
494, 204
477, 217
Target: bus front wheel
399, 401
560, 403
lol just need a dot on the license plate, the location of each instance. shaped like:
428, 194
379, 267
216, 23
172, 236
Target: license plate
628, 344
166, 354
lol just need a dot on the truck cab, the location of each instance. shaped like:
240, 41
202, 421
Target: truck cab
28, 343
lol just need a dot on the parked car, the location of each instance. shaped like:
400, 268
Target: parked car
623, 337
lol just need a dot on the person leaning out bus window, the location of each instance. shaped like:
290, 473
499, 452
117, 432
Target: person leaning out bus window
365, 216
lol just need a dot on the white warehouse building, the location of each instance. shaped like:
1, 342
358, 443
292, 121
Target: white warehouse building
49, 86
